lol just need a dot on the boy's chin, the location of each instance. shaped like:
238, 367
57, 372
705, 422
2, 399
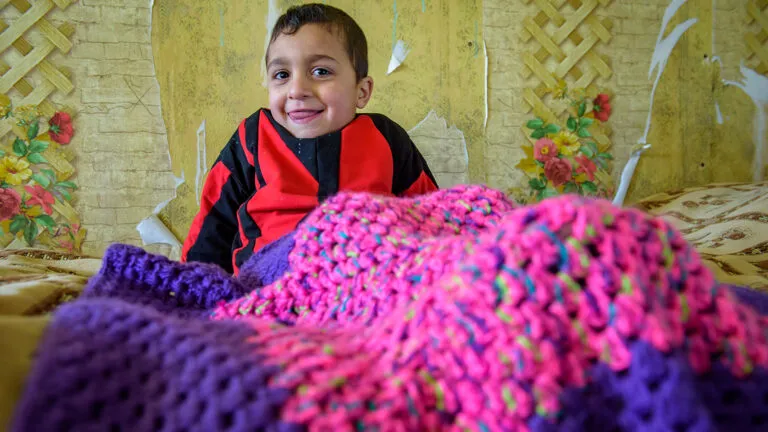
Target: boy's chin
314, 129
306, 132
302, 131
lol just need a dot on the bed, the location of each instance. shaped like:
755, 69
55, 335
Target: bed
725, 222
32, 283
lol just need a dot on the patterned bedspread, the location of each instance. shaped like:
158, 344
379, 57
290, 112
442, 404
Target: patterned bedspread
453, 311
32, 283
726, 223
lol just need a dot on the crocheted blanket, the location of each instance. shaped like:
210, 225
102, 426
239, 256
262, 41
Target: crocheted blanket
453, 311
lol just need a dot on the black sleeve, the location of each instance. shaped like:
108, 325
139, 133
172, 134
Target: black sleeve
411, 174
229, 184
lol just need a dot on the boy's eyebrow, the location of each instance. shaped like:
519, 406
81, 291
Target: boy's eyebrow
280, 61
316, 57
277, 61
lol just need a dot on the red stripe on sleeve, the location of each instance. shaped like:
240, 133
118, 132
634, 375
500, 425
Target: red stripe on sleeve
214, 184
421, 186
241, 134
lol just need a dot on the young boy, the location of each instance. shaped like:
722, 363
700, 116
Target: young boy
310, 144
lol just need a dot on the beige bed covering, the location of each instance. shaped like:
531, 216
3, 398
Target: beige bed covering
726, 223
32, 283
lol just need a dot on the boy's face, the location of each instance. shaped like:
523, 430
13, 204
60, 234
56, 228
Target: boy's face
312, 85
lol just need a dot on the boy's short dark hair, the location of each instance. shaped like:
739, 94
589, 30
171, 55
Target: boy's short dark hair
336, 20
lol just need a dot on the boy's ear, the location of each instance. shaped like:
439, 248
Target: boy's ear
364, 91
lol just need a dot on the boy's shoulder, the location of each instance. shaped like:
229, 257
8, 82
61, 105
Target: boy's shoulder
256, 114
251, 123
251, 120
378, 117
385, 125
390, 130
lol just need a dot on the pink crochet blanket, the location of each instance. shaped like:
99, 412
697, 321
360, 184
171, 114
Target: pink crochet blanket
453, 311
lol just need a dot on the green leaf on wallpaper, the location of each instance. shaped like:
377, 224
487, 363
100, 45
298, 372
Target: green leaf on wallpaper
582, 108
540, 163
589, 187
552, 128
67, 184
570, 187
593, 147
605, 156
2, 153
536, 184
587, 151
601, 162
30, 232
33, 129
36, 158
548, 193
538, 133
50, 173
536, 123
46, 221
36, 146
571, 124
41, 179
65, 194
584, 133
19, 147
19, 223
586, 122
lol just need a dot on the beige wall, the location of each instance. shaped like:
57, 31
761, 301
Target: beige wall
684, 132
122, 143
122, 164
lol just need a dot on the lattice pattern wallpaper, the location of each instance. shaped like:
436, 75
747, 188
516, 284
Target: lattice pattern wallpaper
563, 42
35, 167
757, 41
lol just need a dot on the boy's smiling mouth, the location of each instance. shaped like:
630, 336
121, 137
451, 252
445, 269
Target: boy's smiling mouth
304, 116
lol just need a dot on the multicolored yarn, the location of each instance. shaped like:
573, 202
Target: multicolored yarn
453, 311
486, 312
359, 257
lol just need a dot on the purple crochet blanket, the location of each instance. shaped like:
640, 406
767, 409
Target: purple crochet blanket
453, 311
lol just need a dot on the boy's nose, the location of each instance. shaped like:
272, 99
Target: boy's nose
300, 88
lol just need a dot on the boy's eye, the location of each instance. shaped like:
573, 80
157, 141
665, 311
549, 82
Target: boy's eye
320, 72
280, 75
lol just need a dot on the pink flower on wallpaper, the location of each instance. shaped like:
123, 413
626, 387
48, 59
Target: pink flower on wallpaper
544, 150
40, 196
10, 200
67, 245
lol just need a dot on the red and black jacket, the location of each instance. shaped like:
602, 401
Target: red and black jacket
265, 181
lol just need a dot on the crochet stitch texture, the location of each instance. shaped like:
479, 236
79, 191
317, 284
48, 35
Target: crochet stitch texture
453, 311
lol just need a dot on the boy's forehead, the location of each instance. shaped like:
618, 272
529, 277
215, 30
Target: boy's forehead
309, 40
